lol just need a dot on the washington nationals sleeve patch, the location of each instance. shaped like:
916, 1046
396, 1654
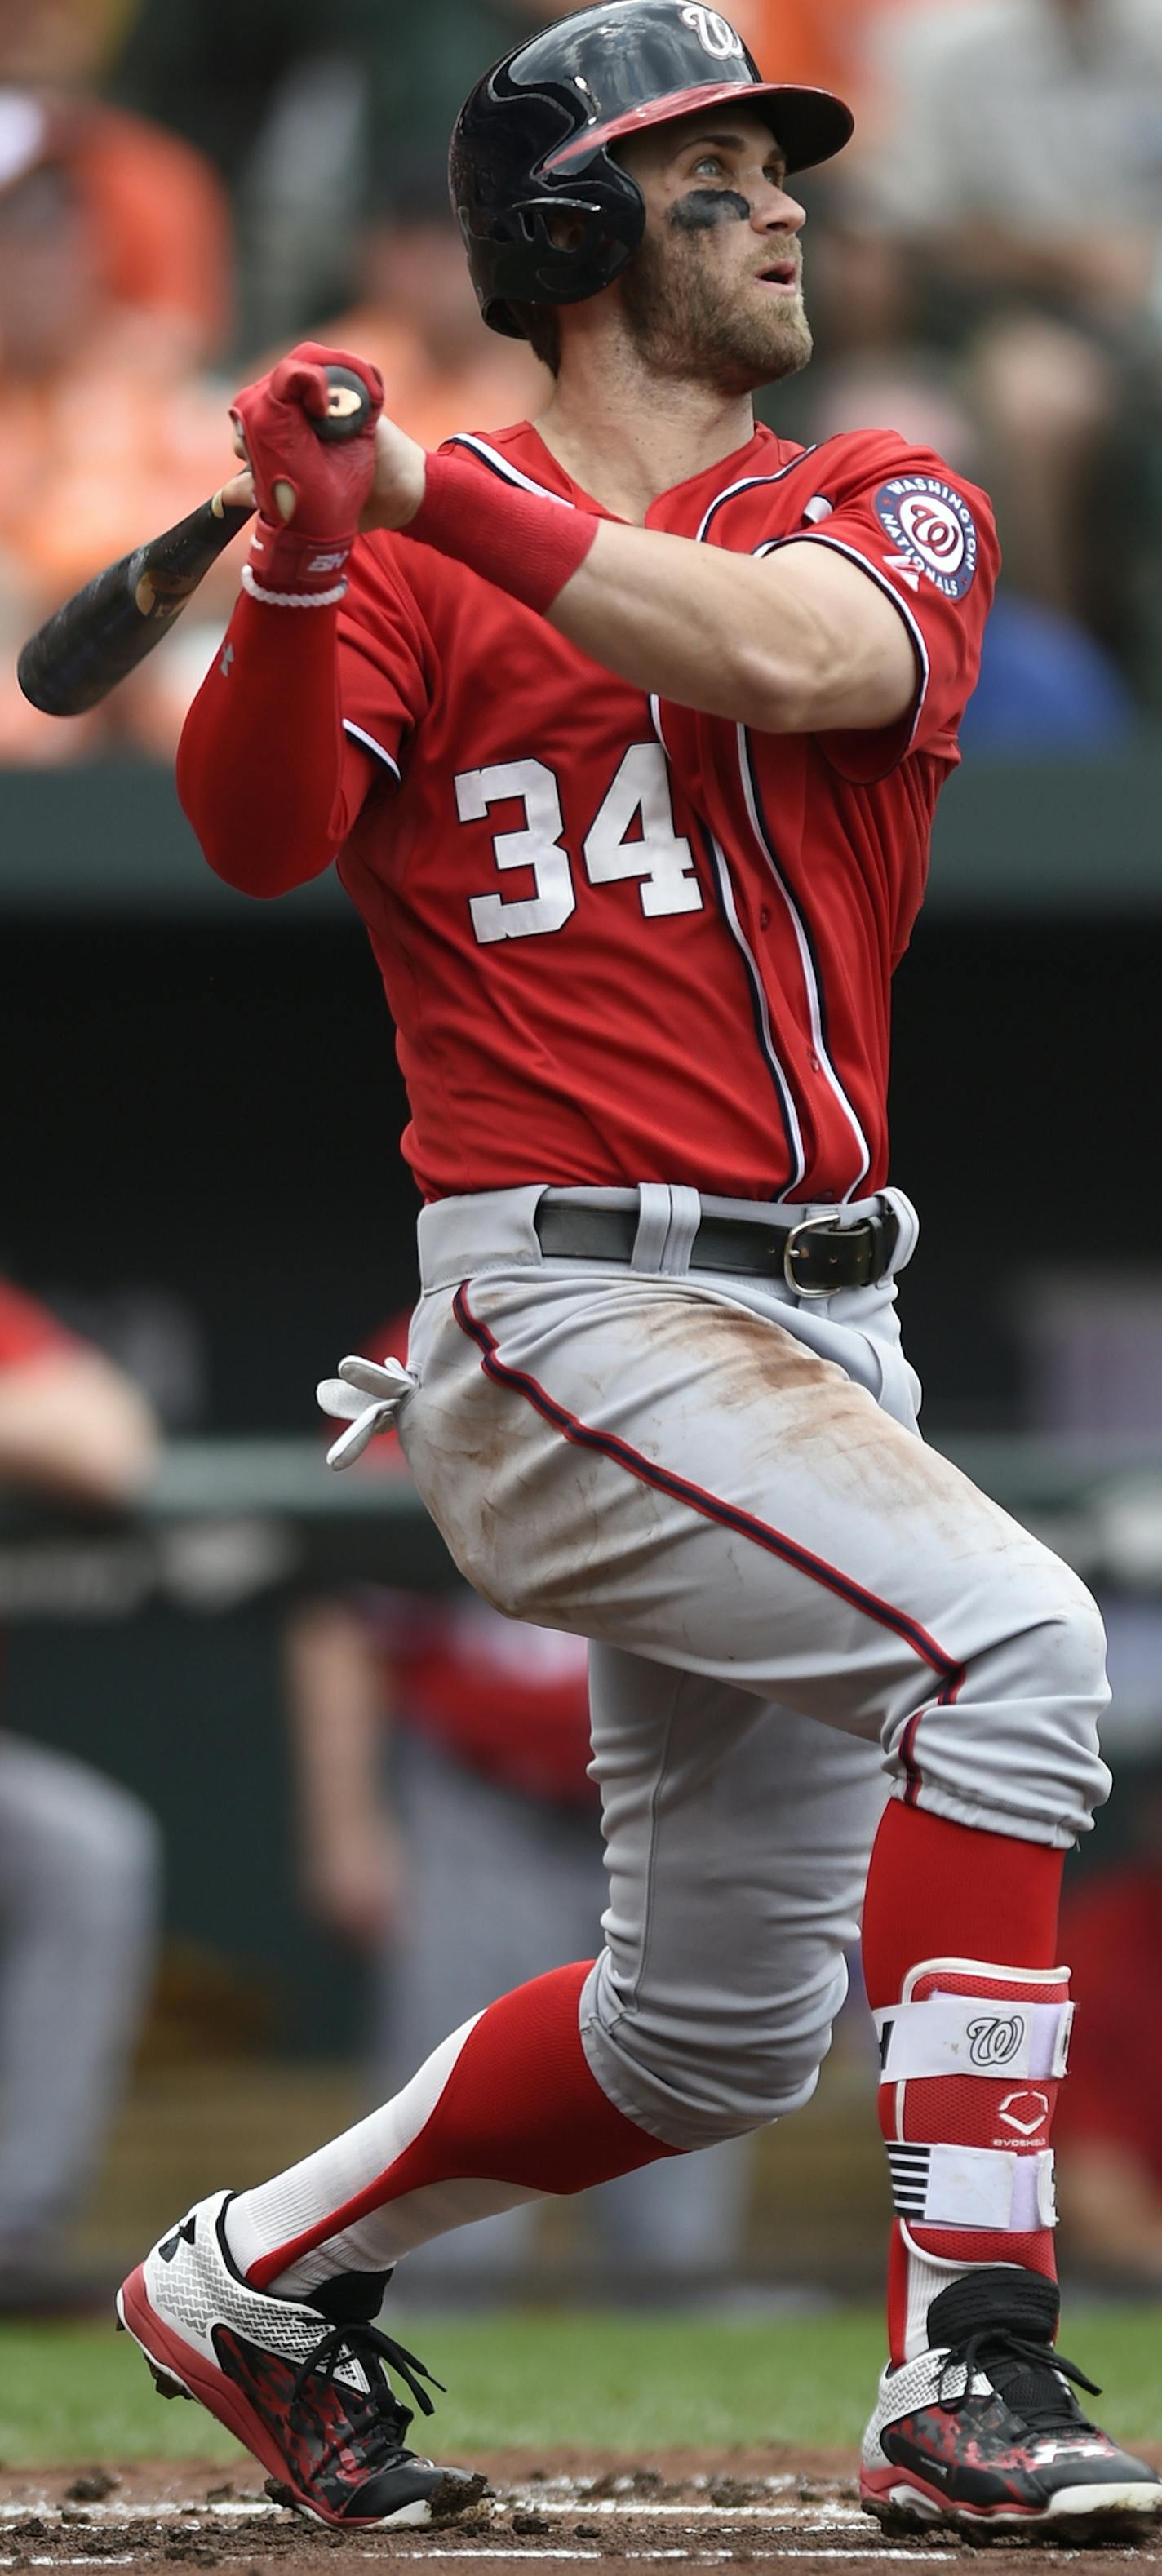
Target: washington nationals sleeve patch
933, 530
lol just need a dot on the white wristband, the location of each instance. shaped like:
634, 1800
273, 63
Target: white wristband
291, 598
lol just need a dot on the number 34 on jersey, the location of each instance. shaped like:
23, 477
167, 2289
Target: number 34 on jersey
632, 835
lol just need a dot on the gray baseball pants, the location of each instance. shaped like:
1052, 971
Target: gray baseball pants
793, 1603
504, 1887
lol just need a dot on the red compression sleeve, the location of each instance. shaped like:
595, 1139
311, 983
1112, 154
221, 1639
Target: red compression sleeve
264, 770
526, 542
520, 2104
939, 1890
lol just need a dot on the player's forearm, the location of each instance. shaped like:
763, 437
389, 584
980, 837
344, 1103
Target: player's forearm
803, 643
75, 1428
260, 768
703, 628
335, 1709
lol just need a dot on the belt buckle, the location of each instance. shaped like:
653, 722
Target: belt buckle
808, 1225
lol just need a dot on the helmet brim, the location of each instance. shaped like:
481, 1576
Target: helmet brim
809, 125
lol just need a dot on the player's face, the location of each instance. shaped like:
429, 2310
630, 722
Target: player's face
714, 295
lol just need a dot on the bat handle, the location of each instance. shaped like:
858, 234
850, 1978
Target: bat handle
348, 408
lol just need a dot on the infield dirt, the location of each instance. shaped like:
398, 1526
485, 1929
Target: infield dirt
699, 2509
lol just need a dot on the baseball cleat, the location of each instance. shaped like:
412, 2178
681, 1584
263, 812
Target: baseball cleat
303, 2386
983, 2430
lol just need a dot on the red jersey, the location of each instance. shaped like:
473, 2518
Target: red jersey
27, 1331
507, 1700
621, 941
1111, 1934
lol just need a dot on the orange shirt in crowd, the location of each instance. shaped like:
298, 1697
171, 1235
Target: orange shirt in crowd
801, 40
828, 44
163, 226
114, 289
89, 466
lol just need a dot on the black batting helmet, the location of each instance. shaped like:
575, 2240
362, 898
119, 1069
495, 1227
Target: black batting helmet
533, 138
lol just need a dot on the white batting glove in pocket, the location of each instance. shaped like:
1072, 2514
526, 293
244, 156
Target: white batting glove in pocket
367, 1394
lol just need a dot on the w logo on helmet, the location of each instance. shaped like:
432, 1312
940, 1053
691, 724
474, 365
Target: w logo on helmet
992, 2042
714, 32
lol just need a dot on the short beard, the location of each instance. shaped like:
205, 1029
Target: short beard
680, 326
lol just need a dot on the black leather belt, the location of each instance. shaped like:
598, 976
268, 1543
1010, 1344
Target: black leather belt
813, 1258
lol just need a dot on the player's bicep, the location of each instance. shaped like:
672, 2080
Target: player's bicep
864, 671
926, 545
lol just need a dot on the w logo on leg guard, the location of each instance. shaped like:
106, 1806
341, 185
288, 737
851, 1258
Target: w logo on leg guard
993, 2042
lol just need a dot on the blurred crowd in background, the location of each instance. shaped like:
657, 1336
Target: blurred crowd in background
187, 186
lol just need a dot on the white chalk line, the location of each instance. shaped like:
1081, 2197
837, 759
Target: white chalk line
571, 2557
808, 2517
686, 2557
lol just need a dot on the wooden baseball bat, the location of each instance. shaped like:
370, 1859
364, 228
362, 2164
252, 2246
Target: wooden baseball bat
106, 629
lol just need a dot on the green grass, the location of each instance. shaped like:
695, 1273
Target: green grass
628, 2384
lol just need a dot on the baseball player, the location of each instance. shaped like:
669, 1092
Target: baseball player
626, 731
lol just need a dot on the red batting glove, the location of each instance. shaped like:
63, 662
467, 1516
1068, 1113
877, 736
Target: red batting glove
310, 493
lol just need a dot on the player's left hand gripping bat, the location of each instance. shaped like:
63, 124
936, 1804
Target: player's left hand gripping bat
106, 629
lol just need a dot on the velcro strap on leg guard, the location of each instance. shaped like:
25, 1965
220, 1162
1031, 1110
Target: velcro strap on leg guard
950, 2034
944, 2186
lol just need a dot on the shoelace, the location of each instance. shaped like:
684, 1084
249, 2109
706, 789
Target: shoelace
1033, 2391
375, 2411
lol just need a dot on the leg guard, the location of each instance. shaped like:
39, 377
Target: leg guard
971, 2058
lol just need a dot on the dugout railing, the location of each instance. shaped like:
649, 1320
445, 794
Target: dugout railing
228, 1521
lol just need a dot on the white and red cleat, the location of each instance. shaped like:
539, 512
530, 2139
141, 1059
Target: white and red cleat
303, 2386
983, 2430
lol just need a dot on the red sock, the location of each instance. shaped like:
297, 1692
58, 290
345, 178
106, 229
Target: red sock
953, 1913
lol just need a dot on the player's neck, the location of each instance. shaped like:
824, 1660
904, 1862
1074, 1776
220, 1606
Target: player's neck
626, 435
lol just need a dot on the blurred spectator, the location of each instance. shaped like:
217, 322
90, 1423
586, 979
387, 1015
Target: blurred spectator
829, 44
1046, 685
1024, 177
105, 434
62, 43
307, 119
482, 1868
79, 1856
1109, 2126
417, 318
151, 215
816, 41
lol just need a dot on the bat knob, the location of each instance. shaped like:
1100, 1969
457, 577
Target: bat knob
348, 408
